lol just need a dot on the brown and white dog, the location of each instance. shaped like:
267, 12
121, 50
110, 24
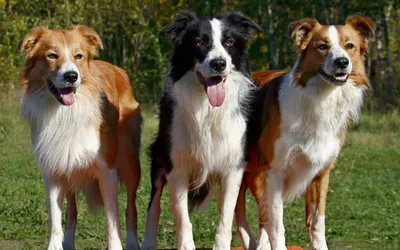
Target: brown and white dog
299, 124
85, 128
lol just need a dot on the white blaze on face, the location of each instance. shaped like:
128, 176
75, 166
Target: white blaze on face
68, 65
336, 51
217, 51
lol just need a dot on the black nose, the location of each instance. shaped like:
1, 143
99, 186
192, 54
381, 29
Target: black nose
71, 76
342, 62
218, 64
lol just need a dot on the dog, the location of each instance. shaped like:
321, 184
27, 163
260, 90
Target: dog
85, 129
299, 125
203, 114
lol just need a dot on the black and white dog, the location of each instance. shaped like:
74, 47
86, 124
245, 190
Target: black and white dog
203, 116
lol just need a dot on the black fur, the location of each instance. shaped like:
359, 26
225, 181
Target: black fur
183, 33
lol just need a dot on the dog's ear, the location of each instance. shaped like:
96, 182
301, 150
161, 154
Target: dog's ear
301, 32
174, 29
364, 26
237, 18
27, 44
91, 37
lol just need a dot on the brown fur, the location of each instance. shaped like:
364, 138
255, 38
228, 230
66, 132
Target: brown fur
119, 127
308, 35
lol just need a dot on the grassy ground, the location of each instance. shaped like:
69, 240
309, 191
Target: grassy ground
363, 202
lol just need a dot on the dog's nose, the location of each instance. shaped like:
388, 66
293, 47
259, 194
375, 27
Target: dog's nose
342, 62
218, 64
71, 76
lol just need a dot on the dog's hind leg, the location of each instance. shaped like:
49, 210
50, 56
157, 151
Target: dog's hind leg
55, 196
243, 230
230, 186
70, 226
153, 214
131, 176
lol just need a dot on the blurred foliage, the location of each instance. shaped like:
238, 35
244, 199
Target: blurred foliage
129, 30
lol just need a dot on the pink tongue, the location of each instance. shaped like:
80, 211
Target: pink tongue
67, 96
215, 91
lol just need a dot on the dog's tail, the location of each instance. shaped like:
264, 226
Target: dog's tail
92, 192
200, 198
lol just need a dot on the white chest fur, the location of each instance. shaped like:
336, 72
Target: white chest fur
312, 119
214, 136
64, 138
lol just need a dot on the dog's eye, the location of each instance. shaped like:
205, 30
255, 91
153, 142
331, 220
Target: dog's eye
79, 56
323, 46
198, 43
229, 42
349, 46
52, 56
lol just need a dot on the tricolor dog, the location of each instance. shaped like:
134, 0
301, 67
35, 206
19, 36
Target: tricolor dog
85, 129
203, 115
299, 125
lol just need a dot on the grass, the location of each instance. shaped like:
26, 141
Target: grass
363, 201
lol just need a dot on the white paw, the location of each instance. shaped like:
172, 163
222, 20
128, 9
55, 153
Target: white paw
222, 244
319, 246
114, 245
280, 245
264, 246
187, 245
55, 243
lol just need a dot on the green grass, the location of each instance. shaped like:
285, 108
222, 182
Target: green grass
363, 202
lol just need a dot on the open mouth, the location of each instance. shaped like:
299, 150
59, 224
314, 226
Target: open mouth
66, 96
214, 87
337, 79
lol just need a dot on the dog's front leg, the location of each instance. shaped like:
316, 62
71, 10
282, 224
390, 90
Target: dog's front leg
178, 182
55, 196
275, 211
230, 186
108, 183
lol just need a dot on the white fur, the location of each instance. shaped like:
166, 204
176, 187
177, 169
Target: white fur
317, 234
207, 142
68, 65
312, 120
335, 51
64, 138
55, 196
217, 52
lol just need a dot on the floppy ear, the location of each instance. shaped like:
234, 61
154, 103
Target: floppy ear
238, 18
178, 25
91, 37
365, 27
301, 32
26, 45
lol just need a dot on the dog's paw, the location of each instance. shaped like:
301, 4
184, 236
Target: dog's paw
133, 246
148, 248
187, 245
55, 243
68, 246
114, 245
264, 246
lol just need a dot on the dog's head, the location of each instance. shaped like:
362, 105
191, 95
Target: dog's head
57, 60
213, 47
335, 53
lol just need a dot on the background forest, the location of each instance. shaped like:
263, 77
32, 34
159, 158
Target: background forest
129, 30
364, 193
